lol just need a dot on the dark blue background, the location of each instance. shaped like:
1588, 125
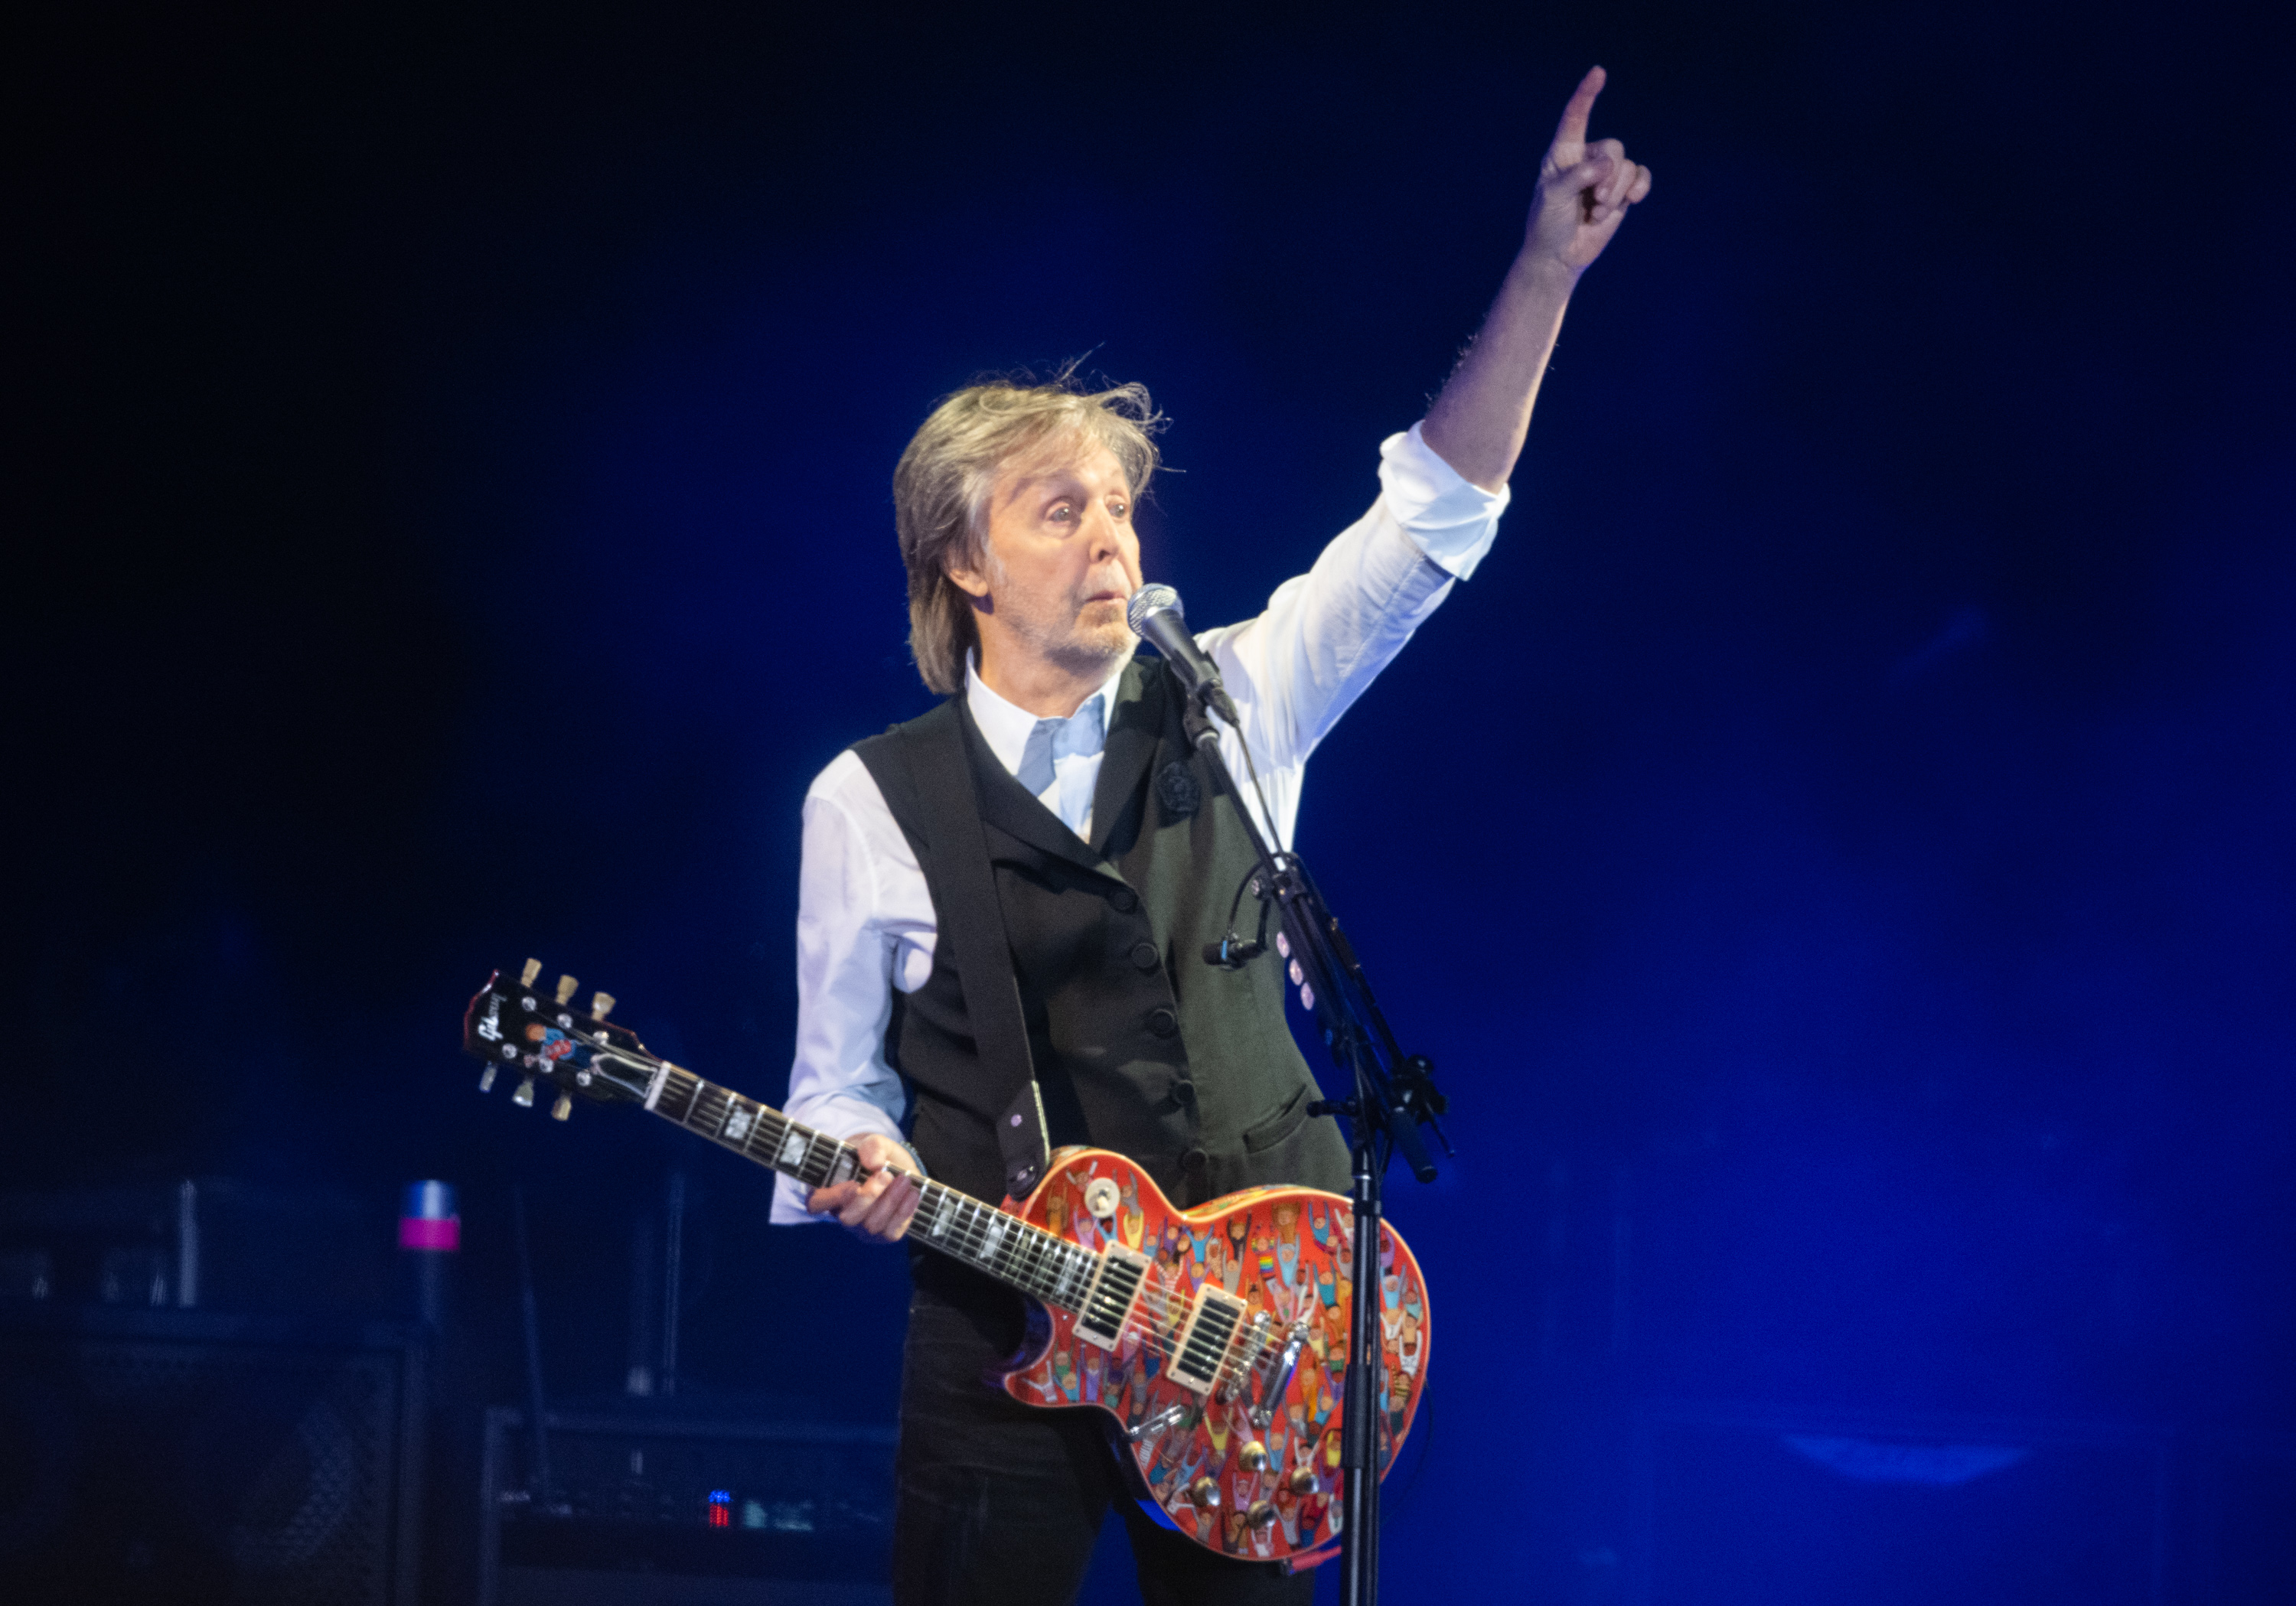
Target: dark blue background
1836, 850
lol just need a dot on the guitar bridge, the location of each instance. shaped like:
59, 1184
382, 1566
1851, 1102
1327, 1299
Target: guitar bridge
1234, 1385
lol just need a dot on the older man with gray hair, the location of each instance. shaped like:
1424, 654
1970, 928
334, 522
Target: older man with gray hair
1062, 756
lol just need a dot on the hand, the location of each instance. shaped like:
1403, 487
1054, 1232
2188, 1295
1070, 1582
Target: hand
1583, 190
876, 1205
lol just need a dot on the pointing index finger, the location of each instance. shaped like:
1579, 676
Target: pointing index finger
1570, 134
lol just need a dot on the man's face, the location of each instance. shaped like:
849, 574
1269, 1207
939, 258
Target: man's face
1062, 561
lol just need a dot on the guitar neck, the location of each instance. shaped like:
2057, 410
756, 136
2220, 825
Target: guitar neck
959, 1226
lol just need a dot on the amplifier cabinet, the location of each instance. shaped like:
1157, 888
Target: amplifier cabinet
191, 1456
655, 1506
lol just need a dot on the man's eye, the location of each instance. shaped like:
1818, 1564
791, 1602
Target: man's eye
1060, 510
1120, 510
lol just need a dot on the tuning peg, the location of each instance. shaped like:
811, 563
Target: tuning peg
566, 986
602, 1005
564, 1108
533, 969
486, 1079
524, 1097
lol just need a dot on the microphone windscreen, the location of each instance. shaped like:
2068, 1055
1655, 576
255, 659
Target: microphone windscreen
1151, 599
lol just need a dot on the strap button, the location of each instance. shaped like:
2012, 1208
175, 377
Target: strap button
1163, 1021
1144, 955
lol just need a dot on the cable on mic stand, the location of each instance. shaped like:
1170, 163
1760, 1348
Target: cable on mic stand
1231, 952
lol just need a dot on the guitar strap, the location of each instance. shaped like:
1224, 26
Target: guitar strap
926, 774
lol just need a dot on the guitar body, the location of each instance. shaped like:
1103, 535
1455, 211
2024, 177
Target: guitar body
1199, 1458
1213, 1341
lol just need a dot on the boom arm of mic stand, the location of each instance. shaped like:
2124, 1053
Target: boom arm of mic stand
1350, 1018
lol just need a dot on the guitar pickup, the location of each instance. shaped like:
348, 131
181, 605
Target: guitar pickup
1203, 1345
1108, 1306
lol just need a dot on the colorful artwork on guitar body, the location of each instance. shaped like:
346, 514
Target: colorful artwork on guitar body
1251, 1465
1212, 1341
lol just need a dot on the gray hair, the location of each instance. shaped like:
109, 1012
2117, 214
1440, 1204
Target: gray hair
942, 484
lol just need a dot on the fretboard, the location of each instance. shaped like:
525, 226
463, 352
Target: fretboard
1005, 1247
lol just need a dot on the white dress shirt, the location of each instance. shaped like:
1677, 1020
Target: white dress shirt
864, 920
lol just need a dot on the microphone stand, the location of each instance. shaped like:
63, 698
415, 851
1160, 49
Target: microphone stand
1393, 1094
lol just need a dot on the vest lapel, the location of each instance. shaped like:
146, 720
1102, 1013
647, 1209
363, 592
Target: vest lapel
1132, 736
1005, 804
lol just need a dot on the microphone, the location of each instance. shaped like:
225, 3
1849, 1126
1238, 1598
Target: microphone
1157, 618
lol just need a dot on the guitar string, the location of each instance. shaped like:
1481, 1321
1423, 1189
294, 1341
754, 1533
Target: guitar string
1020, 1248
1157, 1316
708, 1110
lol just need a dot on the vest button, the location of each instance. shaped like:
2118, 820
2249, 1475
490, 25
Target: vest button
1184, 1093
1194, 1161
1163, 1021
1124, 900
1143, 955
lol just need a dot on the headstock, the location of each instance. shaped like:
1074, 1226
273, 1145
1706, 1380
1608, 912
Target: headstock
542, 1035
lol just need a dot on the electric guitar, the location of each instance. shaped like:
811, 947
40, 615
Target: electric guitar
1212, 1339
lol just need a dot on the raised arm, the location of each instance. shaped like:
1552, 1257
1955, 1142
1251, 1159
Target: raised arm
1477, 423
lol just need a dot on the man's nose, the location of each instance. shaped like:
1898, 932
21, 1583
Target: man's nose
1106, 541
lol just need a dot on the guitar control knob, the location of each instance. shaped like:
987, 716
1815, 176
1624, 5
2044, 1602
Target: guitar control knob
1252, 1457
1302, 1481
1204, 1491
524, 1097
1261, 1514
564, 1108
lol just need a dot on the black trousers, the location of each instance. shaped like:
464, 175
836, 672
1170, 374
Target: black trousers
999, 1504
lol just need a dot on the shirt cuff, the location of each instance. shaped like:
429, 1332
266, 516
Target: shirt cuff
1450, 518
789, 1204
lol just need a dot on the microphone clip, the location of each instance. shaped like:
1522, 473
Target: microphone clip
1233, 952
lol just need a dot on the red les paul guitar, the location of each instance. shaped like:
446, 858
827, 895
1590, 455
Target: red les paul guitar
1213, 1340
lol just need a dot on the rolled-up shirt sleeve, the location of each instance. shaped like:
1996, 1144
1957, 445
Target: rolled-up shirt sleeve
849, 938
1325, 634
1448, 517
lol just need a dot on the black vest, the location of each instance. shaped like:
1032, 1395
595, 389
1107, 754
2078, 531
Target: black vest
1138, 1045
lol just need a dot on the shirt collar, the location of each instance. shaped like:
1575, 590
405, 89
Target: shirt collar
1005, 726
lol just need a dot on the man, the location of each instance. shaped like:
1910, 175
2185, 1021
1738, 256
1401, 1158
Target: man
1059, 760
